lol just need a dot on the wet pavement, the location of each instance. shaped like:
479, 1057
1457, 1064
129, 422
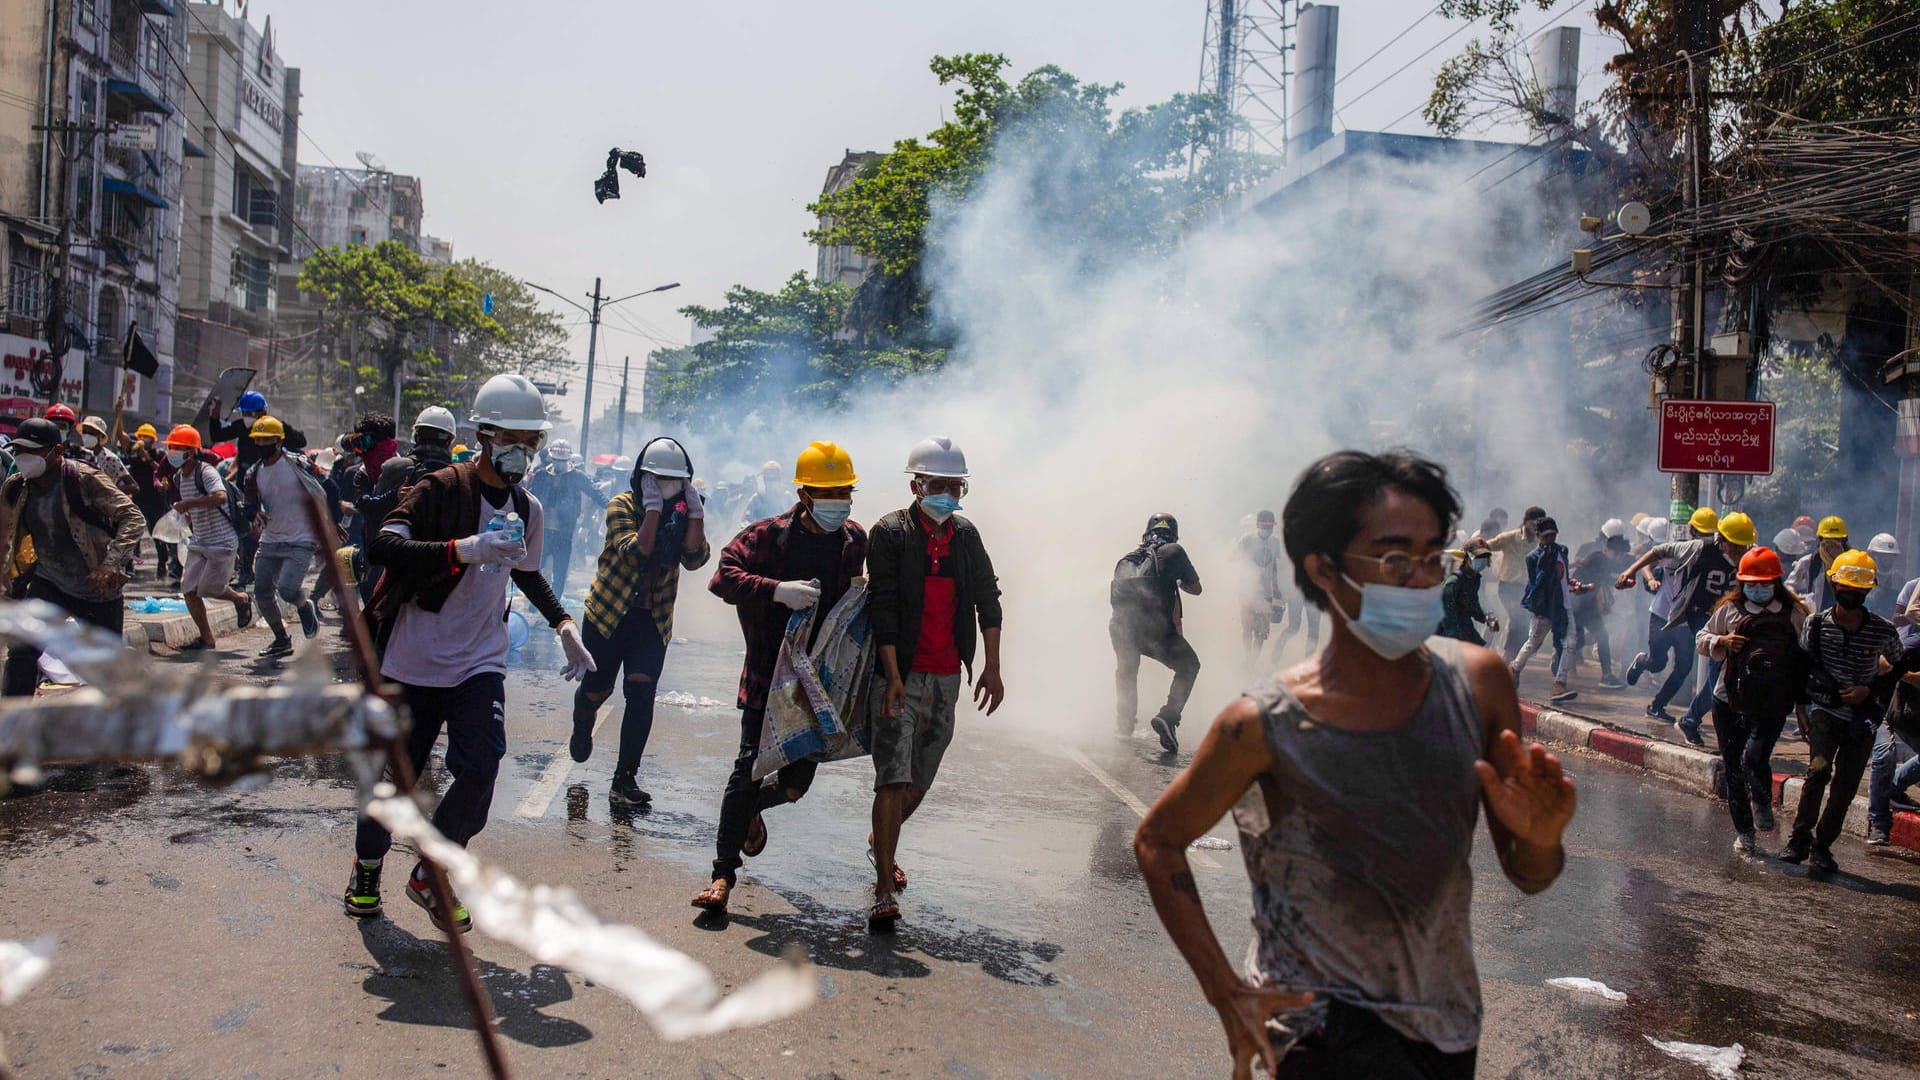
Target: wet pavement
202, 934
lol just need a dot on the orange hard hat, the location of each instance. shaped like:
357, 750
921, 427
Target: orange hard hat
184, 437
1760, 564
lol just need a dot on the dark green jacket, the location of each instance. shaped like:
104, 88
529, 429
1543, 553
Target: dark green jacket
1460, 607
897, 586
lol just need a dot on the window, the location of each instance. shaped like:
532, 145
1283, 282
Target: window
358, 200
155, 52
108, 327
26, 281
251, 279
357, 236
300, 197
263, 211
89, 100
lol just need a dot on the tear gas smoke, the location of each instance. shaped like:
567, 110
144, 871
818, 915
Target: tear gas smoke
1090, 391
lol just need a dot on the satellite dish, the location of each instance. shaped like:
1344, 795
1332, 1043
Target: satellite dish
373, 163
1634, 218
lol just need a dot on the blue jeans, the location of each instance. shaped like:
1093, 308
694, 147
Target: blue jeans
1702, 706
1680, 640
1883, 779
279, 569
475, 716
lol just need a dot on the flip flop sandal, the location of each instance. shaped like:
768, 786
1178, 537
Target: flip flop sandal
882, 916
711, 899
756, 837
899, 875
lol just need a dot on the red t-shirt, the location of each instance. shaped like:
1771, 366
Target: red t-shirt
936, 654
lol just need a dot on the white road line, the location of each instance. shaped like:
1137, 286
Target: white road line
1133, 803
540, 796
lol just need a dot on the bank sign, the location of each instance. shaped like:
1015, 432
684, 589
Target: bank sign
1730, 438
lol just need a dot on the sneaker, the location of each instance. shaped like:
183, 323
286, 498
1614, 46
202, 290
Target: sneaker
1744, 844
1689, 732
309, 619
1634, 669
1611, 683
626, 792
580, 746
363, 890
242, 614
1656, 712
1877, 836
1763, 818
282, 646
1165, 729
1561, 693
421, 893
1900, 800
1796, 849
1822, 860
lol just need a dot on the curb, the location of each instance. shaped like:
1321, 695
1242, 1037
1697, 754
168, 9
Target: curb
1698, 770
177, 628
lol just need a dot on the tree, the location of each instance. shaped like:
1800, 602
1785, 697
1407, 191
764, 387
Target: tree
398, 315
532, 340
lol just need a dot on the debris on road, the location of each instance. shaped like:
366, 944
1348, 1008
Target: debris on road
1721, 1062
23, 963
1587, 986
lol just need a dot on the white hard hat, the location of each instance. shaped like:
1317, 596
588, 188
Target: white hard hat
1789, 542
560, 450
1613, 527
664, 457
1883, 544
623, 463
937, 455
510, 402
437, 418
1659, 530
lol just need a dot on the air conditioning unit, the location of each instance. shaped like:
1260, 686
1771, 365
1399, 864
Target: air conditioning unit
1734, 346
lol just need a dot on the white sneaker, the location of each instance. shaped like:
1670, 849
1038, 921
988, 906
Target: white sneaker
1745, 844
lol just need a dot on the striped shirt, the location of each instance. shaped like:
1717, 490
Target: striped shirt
1849, 659
211, 529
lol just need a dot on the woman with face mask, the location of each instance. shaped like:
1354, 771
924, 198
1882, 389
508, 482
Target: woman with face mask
1754, 632
1361, 903
1460, 595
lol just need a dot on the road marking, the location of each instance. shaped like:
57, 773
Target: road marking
540, 796
1133, 802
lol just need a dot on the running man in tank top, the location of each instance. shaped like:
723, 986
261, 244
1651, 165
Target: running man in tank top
1356, 778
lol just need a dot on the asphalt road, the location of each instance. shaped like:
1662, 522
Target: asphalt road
201, 932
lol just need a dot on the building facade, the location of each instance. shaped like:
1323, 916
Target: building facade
839, 263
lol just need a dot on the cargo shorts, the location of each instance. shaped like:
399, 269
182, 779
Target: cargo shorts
907, 748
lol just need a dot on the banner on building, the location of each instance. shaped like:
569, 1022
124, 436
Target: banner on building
1730, 438
19, 356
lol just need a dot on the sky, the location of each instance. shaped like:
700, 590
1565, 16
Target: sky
506, 111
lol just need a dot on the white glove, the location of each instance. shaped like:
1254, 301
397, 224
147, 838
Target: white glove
696, 506
798, 595
650, 497
492, 548
579, 660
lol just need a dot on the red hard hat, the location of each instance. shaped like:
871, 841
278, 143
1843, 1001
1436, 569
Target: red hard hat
1760, 564
61, 412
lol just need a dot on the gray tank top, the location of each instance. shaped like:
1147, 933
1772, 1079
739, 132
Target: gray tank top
1357, 848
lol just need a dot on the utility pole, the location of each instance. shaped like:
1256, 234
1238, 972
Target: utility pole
620, 433
74, 139
593, 337
1698, 31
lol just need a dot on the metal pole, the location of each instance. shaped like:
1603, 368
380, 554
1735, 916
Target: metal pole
1699, 30
620, 433
593, 337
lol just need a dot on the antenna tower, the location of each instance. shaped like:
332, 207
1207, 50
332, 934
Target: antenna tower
1246, 59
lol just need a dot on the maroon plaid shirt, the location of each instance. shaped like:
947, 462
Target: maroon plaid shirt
752, 564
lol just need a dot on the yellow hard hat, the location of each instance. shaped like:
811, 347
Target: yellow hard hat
1737, 529
146, 431
267, 428
1832, 528
824, 465
459, 448
1704, 520
1854, 569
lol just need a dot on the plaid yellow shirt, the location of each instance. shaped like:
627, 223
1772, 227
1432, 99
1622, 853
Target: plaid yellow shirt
624, 577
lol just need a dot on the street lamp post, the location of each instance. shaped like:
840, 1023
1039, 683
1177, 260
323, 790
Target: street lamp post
600, 303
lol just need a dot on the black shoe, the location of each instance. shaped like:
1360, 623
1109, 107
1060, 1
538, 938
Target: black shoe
626, 792
1165, 729
580, 746
1763, 818
1634, 669
242, 614
1657, 712
1903, 801
1822, 860
1690, 731
1796, 849
309, 619
363, 891
281, 647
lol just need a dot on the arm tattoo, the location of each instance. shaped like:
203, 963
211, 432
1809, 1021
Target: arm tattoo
1183, 884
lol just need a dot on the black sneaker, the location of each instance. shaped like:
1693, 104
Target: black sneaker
1900, 800
1634, 669
1796, 849
363, 891
1689, 731
421, 893
242, 613
1878, 836
580, 746
1165, 729
1763, 818
1657, 712
281, 647
626, 792
309, 619
1822, 860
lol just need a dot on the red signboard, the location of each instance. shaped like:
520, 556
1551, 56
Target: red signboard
1730, 438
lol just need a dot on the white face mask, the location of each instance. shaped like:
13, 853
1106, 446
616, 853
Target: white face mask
31, 466
176, 458
670, 487
89, 441
511, 462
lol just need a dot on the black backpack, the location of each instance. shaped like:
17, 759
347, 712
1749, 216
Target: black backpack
1136, 583
1769, 676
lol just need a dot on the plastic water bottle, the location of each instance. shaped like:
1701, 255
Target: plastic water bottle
502, 520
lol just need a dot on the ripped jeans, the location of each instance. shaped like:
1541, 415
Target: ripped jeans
635, 646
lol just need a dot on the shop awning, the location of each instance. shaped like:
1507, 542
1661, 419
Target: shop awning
189, 148
137, 95
130, 190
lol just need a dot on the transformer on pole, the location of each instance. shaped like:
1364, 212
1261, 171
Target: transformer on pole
1246, 60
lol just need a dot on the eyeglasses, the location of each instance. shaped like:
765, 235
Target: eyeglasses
1398, 567
944, 485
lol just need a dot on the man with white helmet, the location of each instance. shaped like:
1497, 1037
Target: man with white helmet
1597, 560
1886, 555
433, 434
655, 529
563, 490
450, 548
930, 582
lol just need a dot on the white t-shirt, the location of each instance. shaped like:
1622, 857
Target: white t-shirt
468, 635
281, 497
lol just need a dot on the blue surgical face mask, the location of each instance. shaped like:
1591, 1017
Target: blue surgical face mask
1480, 565
830, 514
1759, 594
939, 507
1394, 619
